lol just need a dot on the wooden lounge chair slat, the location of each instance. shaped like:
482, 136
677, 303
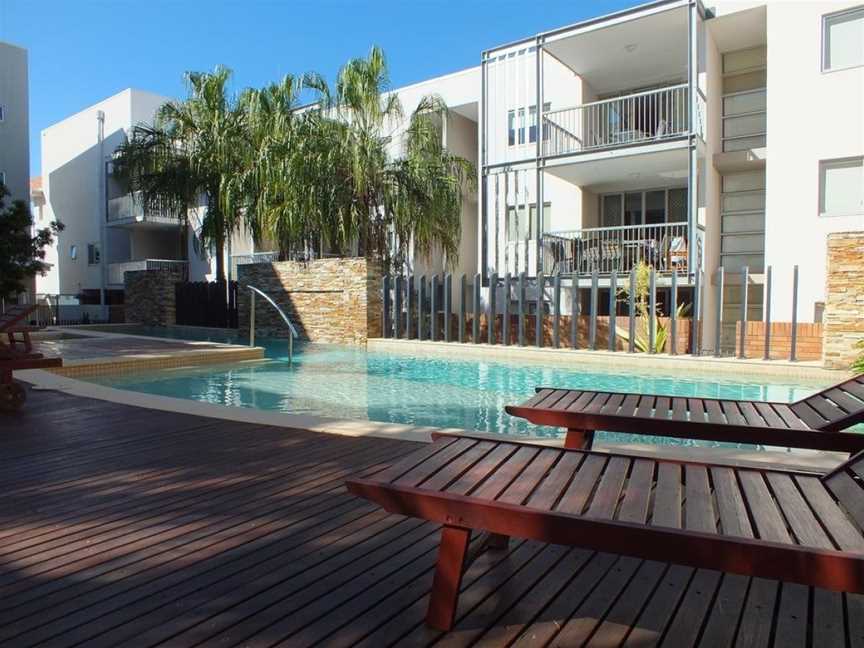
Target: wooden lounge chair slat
433, 464
567, 401
791, 622
789, 417
549, 491
518, 491
751, 415
828, 410
714, 412
401, 467
679, 409
845, 400
611, 406
733, 413
734, 520
583, 400
597, 403
609, 490
480, 470
807, 414
769, 522
771, 417
854, 387
628, 407
697, 409
661, 408
845, 535
848, 494
698, 505
646, 405
550, 400
634, 506
667, 496
537, 397
454, 469
505, 473
804, 524
828, 621
582, 486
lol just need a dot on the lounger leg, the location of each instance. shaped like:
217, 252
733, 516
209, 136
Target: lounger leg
448, 577
579, 439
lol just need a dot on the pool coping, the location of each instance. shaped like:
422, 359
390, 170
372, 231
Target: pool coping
810, 460
803, 370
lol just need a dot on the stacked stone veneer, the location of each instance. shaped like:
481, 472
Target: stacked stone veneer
150, 297
327, 300
843, 320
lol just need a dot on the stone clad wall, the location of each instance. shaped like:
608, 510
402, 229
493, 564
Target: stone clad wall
327, 300
844, 299
150, 297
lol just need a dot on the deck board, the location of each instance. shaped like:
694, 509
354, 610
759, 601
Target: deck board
122, 526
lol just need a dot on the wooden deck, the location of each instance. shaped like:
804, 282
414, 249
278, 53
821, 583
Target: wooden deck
124, 526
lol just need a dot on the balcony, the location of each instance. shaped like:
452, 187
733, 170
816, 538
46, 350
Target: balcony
116, 271
640, 118
125, 211
619, 249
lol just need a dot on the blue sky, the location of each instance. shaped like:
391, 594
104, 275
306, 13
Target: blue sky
82, 51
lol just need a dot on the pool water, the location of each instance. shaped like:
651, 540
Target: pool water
350, 383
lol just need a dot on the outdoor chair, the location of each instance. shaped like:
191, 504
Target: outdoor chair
789, 525
820, 421
13, 321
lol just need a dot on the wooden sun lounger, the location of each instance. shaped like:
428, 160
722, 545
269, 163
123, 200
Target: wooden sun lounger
818, 421
12, 322
779, 524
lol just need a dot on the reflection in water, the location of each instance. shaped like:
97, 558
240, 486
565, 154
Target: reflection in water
344, 382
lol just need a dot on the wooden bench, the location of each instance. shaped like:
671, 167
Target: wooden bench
819, 422
793, 526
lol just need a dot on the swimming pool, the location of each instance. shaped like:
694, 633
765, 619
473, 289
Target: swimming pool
351, 383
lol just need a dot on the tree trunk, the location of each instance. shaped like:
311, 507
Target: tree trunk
220, 259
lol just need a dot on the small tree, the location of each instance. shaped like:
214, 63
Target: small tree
22, 254
644, 315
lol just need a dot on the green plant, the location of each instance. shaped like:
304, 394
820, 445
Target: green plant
644, 316
858, 364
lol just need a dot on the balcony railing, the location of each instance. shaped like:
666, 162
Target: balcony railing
654, 115
604, 249
116, 271
125, 209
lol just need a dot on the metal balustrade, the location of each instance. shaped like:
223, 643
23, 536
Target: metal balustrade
653, 115
616, 249
116, 271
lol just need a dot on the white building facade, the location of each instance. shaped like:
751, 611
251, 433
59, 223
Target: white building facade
14, 122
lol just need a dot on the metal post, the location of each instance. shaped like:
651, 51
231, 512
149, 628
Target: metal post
521, 300
613, 311
538, 316
631, 306
475, 322
673, 315
592, 331
386, 314
448, 305
491, 314
697, 308
575, 312
252, 320
652, 310
433, 309
556, 306
745, 271
767, 353
505, 331
409, 313
793, 343
721, 274
421, 300
397, 306
463, 296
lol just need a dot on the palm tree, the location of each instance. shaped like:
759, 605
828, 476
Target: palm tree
194, 151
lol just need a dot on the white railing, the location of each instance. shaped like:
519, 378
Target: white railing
621, 121
126, 208
255, 257
604, 249
116, 271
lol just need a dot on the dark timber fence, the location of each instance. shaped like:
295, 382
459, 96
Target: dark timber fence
203, 303
562, 311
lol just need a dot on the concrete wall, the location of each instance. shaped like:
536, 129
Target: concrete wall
844, 303
15, 129
328, 300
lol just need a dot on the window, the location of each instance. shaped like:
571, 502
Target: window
93, 255
73, 252
3, 178
2, 112
520, 228
841, 187
651, 207
843, 40
516, 125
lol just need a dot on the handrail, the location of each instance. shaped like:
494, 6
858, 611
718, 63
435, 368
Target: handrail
291, 329
618, 98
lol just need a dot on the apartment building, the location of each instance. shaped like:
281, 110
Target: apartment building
701, 140
14, 121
